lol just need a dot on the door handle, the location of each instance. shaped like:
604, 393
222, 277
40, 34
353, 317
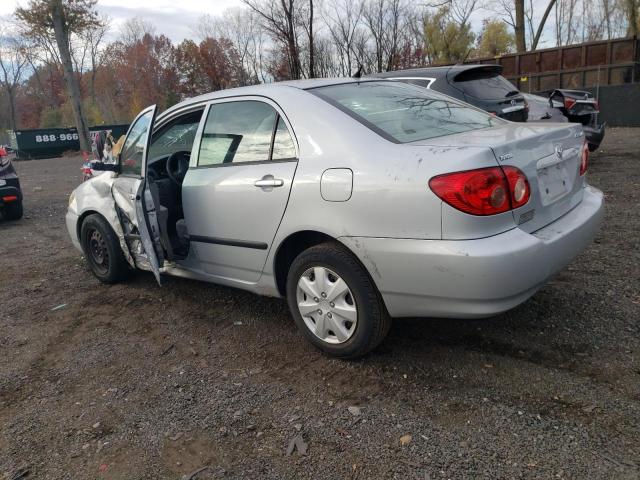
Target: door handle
269, 182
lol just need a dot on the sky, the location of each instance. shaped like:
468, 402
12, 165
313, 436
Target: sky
177, 18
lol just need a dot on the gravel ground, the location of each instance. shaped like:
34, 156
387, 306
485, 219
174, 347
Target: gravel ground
134, 381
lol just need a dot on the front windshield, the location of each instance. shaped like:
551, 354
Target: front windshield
404, 113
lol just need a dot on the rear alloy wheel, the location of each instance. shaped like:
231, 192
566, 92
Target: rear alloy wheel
102, 250
334, 302
13, 210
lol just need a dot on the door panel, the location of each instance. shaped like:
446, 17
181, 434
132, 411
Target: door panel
130, 193
236, 191
231, 220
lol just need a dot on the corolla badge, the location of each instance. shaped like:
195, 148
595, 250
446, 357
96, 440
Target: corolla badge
559, 151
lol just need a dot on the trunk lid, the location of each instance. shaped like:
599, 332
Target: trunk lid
548, 154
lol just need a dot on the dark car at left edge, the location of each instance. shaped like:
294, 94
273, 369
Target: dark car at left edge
10, 192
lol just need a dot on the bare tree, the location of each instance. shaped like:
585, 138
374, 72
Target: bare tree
94, 38
518, 27
207, 25
631, 7
342, 18
364, 55
134, 29
241, 27
520, 15
278, 18
543, 20
373, 13
312, 73
395, 15
461, 10
566, 31
606, 7
13, 63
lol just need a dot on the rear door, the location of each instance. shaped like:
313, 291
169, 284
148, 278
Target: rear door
237, 187
132, 197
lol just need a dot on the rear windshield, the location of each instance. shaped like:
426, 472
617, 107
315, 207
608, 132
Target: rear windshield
404, 113
484, 84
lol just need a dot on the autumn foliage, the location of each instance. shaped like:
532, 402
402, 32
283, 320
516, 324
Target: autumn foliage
130, 77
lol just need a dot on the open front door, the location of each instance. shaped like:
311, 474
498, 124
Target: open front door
133, 199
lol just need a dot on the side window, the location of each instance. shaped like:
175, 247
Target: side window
133, 149
177, 136
237, 132
283, 147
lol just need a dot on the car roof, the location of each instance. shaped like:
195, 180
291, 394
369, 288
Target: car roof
264, 89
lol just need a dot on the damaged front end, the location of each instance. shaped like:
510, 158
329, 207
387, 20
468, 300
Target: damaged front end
98, 195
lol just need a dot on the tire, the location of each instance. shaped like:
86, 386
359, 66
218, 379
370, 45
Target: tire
354, 339
13, 211
102, 250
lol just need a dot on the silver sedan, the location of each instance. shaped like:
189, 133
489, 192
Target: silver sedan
357, 201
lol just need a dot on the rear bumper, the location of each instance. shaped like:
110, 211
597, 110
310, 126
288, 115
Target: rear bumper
10, 192
475, 278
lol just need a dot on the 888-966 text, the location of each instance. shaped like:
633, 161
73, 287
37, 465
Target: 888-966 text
63, 137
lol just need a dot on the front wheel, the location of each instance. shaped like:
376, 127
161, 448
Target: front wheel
334, 302
102, 250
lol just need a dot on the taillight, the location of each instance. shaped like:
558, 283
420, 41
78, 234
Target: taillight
486, 191
10, 198
584, 161
569, 103
518, 186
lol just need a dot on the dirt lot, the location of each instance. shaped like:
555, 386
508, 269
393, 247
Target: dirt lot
135, 381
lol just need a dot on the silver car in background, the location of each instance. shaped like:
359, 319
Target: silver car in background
358, 201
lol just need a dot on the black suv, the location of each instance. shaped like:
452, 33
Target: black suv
10, 193
480, 85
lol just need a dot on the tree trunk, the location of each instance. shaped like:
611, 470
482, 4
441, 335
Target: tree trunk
632, 7
521, 45
312, 72
93, 77
294, 56
607, 17
73, 85
12, 108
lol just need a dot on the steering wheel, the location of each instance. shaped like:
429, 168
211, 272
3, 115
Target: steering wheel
177, 166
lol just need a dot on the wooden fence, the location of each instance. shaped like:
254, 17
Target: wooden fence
592, 64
